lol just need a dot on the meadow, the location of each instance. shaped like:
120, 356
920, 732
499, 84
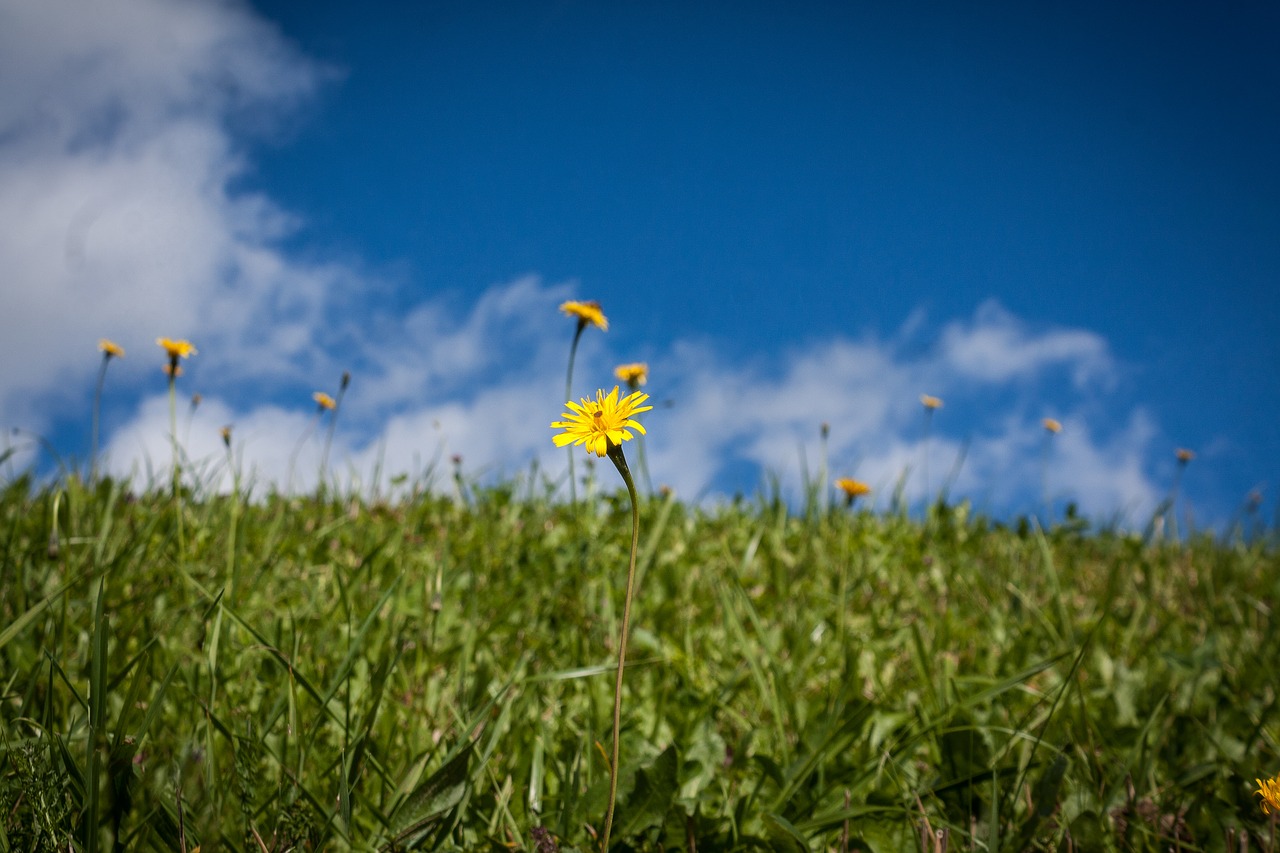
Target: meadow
192, 670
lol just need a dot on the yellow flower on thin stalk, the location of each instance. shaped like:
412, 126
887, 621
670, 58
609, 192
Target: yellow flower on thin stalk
601, 423
852, 489
324, 403
634, 375
1167, 511
110, 349
1269, 790
175, 350
931, 404
601, 426
1051, 428
587, 314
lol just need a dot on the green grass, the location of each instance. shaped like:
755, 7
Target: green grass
439, 675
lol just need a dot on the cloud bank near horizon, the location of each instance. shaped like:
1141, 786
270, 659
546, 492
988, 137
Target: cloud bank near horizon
713, 419
120, 217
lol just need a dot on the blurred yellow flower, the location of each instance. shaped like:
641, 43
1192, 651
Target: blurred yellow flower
225, 432
1184, 455
110, 349
324, 401
586, 312
930, 402
1269, 790
634, 375
852, 488
1052, 426
176, 349
597, 424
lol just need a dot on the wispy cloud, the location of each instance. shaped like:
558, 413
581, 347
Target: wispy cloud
491, 401
116, 216
119, 218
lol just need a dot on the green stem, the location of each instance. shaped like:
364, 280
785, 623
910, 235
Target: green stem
333, 425
924, 463
97, 408
620, 461
173, 434
233, 565
568, 395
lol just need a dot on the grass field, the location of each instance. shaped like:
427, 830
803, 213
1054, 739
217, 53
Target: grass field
327, 673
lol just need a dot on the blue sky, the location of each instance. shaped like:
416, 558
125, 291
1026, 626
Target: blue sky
795, 214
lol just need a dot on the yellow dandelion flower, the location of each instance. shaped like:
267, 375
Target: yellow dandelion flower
852, 488
1184, 455
110, 349
586, 312
1269, 790
225, 432
634, 375
1050, 425
930, 402
176, 349
324, 401
600, 423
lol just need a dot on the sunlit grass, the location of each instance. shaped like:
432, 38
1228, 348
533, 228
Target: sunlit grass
439, 674
184, 669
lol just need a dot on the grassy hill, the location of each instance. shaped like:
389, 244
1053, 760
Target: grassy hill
326, 673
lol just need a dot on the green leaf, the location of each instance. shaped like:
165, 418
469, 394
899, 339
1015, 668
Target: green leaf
432, 800
784, 835
651, 799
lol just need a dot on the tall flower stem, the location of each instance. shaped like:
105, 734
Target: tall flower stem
97, 408
233, 565
924, 462
333, 425
568, 395
173, 435
620, 462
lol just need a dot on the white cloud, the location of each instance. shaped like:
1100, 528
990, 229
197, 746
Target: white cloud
996, 346
115, 215
117, 219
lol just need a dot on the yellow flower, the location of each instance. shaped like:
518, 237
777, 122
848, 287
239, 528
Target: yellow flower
324, 401
1269, 790
930, 402
1052, 426
1184, 455
110, 349
586, 312
634, 375
852, 488
600, 423
225, 432
176, 349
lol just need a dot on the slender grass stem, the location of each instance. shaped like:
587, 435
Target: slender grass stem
568, 395
97, 410
333, 425
620, 461
177, 470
